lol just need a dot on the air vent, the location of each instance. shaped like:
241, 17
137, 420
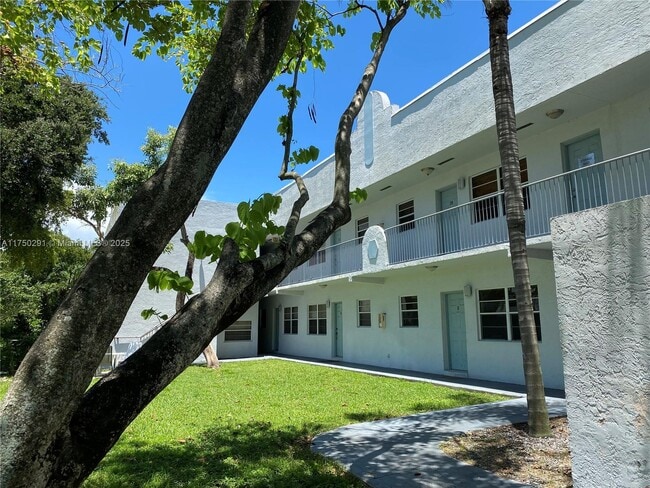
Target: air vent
524, 126
446, 161
386, 187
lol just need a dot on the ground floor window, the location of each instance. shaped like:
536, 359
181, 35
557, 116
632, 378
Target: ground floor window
498, 315
239, 331
290, 320
363, 307
317, 319
409, 311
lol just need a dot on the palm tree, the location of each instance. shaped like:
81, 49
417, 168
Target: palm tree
497, 12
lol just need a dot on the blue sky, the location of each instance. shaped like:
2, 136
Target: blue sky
421, 52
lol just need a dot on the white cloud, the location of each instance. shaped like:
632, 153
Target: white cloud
78, 230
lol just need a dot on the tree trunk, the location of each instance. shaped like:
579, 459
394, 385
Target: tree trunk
211, 359
42, 443
54, 431
497, 12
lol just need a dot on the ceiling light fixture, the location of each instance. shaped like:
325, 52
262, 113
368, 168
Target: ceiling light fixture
555, 113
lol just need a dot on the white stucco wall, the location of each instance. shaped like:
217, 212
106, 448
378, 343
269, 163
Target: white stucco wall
423, 348
602, 270
552, 57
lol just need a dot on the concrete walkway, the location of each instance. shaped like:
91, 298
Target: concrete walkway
404, 452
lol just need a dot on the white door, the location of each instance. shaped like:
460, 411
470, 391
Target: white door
587, 184
456, 334
448, 240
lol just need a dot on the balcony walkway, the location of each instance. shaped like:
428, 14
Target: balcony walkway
481, 223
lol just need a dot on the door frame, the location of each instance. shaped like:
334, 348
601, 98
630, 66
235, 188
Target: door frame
446, 247
573, 201
275, 344
445, 334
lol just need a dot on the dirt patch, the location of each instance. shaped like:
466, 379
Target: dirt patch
509, 452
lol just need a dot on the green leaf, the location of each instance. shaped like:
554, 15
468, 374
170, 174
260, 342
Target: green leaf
148, 313
358, 195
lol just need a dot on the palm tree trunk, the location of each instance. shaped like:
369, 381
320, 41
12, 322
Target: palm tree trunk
497, 12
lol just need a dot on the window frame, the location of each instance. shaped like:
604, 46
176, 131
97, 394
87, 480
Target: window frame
238, 327
364, 316
508, 312
403, 310
319, 321
290, 322
406, 220
319, 257
486, 206
361, 231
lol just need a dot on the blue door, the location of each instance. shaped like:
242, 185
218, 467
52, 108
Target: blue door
338, 329
456, 334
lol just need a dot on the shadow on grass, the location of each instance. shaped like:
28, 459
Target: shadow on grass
246, 455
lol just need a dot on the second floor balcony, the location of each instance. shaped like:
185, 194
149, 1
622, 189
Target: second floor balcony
481, 223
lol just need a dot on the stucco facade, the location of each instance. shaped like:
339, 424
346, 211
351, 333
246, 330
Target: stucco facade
602, 269
421, 278
589, 59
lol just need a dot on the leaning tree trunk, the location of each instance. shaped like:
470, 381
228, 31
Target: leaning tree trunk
45, 439
54, 431
497, 12
210, 355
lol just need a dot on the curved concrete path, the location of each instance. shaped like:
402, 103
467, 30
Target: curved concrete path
404, 452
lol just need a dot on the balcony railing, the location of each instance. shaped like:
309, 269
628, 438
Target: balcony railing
482, 222
329, 261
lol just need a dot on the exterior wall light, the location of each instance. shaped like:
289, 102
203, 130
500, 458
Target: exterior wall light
428, 170
467, 290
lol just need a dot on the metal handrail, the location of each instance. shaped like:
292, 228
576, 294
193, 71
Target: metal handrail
481, 222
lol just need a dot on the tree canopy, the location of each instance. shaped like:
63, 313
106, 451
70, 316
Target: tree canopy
44, 151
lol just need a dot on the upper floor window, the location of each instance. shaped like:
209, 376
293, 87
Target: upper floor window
362, 227
319, 257
290, 320
317, 319
498, 315
491, 182
409, 311
406, 215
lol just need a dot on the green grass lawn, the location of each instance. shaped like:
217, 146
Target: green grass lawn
249, 424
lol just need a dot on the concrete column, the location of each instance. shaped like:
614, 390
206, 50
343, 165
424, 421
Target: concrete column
602, 271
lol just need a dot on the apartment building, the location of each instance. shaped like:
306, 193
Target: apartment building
421, 277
